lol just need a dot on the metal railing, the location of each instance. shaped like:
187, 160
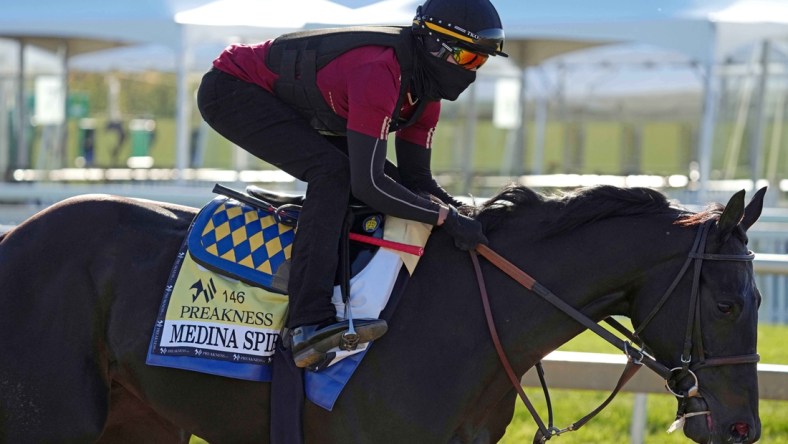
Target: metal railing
601, 372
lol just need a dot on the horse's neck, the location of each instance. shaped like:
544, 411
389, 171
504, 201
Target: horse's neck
592, 268
441, 327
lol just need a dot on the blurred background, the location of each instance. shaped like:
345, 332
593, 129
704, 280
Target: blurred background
684, 96
687, 96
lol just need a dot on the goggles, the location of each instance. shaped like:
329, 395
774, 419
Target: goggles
463, 57
489, 41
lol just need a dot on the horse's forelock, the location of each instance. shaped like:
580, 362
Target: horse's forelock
711, 212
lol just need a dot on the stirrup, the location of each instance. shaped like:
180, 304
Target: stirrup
311, 352
349, 341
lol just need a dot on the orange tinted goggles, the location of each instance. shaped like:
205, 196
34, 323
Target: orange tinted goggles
464, 57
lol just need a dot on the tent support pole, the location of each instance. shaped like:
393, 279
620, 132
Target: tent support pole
706, 140
759, 124
469, 141
21, 160
182, 113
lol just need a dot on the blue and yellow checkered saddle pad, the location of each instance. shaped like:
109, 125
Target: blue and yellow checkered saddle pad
243, 242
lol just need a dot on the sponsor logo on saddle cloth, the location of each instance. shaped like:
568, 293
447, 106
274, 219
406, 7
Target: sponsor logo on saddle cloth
224, 305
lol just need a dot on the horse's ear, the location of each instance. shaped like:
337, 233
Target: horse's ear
732, 215
753, 210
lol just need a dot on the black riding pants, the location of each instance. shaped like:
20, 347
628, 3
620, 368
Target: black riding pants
263, 125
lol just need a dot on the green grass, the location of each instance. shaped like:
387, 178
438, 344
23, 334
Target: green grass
612, 425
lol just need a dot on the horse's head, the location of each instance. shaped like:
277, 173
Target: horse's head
710, 343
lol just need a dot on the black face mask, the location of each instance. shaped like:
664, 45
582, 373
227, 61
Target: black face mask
435, 79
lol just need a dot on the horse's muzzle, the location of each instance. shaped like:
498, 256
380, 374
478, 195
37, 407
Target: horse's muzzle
703, 429
740, 433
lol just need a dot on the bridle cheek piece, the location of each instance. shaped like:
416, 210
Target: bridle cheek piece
693, 338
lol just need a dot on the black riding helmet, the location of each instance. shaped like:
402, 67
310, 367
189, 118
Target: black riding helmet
471, 24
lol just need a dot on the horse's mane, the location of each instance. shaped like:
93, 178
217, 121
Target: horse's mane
565, 211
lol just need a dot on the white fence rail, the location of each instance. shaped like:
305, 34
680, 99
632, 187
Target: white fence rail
598, 371
772, 279
771, 263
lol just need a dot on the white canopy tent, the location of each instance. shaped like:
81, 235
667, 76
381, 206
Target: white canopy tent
238, 21
182, 26
149, 21
707, 31
79, 26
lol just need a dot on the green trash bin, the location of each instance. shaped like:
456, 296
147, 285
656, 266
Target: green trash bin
142, 131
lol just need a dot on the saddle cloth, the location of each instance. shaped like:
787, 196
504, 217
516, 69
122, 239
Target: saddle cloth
225, 303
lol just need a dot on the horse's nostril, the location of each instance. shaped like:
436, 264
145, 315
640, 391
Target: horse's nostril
740, 430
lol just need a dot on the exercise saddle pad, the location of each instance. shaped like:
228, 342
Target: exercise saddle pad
225, 302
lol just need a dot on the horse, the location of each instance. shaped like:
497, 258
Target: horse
81, 283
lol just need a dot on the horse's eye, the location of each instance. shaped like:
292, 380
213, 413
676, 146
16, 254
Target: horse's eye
725, 307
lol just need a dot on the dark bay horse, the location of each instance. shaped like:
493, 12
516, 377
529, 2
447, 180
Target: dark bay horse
82, 281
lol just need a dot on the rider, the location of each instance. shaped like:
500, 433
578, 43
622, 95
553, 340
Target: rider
320, 104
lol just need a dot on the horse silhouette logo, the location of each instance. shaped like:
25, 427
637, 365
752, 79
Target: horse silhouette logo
208, 291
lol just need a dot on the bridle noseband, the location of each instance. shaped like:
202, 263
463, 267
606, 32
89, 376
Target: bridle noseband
637, 355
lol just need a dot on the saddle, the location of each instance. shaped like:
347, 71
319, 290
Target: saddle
225, 302
248, 236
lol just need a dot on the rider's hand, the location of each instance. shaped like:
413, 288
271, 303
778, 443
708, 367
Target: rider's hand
467, 232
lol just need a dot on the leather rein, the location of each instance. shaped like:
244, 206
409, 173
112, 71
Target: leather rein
636, 355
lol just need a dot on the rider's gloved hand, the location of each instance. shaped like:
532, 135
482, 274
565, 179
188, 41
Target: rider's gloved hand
467, 232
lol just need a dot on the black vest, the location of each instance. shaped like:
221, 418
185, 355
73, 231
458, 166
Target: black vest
297, 57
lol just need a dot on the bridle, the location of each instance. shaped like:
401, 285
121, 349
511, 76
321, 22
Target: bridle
637, 355
693, 337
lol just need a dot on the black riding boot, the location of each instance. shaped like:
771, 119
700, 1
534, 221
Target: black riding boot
310, 343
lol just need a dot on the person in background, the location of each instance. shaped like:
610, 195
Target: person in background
320, 106
116, 126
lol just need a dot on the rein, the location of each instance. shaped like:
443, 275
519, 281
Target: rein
637, 356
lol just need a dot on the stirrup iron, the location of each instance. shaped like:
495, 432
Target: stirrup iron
350, 338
